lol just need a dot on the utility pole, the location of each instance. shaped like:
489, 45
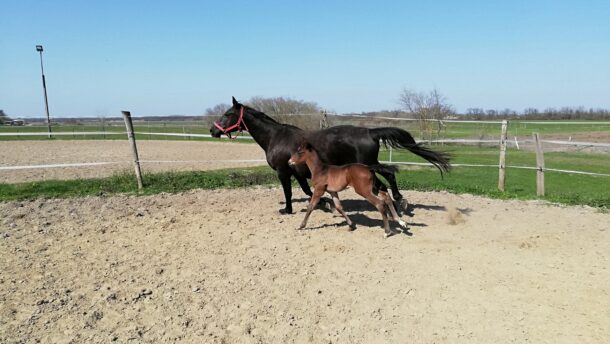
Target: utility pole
44, 87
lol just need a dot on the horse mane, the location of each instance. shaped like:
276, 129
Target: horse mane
266, 118
261, 115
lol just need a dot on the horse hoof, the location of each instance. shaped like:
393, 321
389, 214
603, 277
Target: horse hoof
404, 204
352, 228
285, 212
402, 223
388, 234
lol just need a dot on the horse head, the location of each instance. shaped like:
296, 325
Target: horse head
231, 121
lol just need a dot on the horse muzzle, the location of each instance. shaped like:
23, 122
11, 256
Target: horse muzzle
291, 163
215, 132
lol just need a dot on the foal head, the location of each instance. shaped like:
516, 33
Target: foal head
304, 151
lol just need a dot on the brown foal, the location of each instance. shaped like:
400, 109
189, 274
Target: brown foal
333, 179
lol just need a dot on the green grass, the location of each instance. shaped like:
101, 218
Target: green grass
154, 183
452, 130
520, 184
560, 187
520, 129
577, 161
113, 132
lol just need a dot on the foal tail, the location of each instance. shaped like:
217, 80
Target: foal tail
383, 168
399, 138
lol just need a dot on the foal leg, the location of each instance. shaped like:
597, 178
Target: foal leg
339, 208
379, 204
388, 201
324, 202
400, 200
317, 193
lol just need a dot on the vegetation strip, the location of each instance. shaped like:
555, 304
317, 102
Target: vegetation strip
561, 188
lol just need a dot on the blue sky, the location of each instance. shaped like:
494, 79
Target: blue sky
181, 57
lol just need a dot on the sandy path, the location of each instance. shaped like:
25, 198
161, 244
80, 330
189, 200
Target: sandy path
223, 267
20, 153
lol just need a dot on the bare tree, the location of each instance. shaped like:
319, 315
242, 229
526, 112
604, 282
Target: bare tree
217, 110
430, 108
283, 106
3, 117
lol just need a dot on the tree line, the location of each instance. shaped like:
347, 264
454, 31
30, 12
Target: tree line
274, 106
4, 117
564, 113
434, 105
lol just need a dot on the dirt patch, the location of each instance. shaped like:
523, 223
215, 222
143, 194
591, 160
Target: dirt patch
224, 267
199, 155
593, 136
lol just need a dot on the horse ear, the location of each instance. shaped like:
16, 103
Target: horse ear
235, 102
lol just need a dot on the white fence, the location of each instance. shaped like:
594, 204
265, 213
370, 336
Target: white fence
515, 143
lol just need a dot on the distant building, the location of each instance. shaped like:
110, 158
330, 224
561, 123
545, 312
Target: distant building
15, 122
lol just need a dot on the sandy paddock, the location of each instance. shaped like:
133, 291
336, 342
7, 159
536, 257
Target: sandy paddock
199, 155
224, 267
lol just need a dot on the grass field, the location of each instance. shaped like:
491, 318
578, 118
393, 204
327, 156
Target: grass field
578, 161
472, 130
560, 187
113, 132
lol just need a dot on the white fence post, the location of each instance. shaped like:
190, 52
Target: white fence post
502, 165
134, 149
539, 166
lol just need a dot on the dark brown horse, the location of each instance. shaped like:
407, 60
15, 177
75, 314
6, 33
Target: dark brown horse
336, 145
333, 179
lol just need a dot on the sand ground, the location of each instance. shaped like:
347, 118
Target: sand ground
224, 267
200, 155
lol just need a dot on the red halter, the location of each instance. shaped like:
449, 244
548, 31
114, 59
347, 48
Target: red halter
237, 125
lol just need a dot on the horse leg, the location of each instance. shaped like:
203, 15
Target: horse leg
303, 184
378, 203
391, 178
317, 193
378, 185
339, 208
284, 177
388, 201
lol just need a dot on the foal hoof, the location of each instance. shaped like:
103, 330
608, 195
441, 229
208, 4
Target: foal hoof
388, 234
285, 211
352, 227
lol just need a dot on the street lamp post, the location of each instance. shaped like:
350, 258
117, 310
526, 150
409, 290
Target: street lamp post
44, 87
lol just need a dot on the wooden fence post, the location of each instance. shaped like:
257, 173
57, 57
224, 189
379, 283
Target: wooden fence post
539, 166
502, 165
134, 148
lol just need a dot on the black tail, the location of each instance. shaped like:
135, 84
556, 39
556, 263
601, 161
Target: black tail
399, 138
383, 168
